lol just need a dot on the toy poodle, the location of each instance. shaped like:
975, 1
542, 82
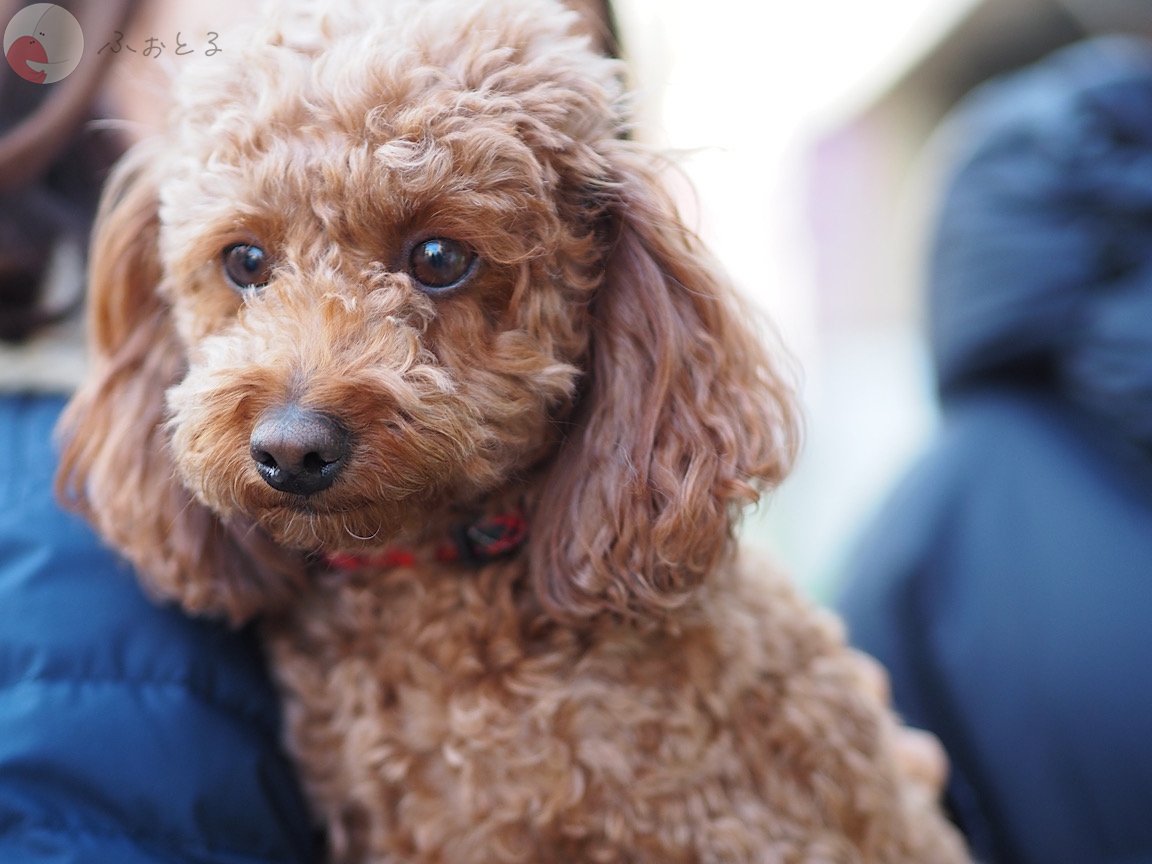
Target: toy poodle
401, 349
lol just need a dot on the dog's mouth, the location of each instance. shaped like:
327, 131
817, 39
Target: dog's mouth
307, 507
314, 507
325, 522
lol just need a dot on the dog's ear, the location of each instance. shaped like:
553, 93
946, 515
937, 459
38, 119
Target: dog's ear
685, 418
116, 468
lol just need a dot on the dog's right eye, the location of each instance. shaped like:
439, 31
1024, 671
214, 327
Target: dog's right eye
246, 266
440, 264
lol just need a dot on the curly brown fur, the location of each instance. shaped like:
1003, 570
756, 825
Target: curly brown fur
626, 687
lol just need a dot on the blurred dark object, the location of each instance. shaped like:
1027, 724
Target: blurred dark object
51, 168
1006, 584
599, 23
1112, 16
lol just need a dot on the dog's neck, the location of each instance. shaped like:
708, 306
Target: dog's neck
472, 541
467, 533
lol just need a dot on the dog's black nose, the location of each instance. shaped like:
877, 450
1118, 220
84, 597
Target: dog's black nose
297, 450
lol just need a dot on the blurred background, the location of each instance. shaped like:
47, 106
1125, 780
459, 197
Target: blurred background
807, 132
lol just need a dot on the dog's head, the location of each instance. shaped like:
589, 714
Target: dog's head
393, 260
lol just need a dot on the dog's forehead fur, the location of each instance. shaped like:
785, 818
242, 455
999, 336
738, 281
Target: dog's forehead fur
390, 112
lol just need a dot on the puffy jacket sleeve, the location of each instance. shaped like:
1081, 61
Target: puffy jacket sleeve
128, 733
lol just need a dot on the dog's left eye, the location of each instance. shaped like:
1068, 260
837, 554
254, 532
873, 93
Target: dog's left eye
440, 263
246, 266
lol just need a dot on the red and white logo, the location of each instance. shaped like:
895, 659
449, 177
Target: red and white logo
43, 43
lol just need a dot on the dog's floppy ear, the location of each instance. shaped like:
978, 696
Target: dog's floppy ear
115, 466
684, 419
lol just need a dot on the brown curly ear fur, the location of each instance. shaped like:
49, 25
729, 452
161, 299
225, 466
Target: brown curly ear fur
115, 467
684, 420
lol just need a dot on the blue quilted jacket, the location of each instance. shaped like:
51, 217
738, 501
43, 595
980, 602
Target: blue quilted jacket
1007, 583
129, 734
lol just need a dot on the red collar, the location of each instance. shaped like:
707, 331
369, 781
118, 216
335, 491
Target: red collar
475, 543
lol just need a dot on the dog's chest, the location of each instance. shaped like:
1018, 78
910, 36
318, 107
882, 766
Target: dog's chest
441, 708
426, 702
410, 645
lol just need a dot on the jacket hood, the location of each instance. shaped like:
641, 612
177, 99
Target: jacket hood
1041, 261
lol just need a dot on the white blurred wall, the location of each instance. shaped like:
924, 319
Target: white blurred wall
743, 91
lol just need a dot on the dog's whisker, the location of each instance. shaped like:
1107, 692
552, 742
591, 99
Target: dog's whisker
311, 521
354, 535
